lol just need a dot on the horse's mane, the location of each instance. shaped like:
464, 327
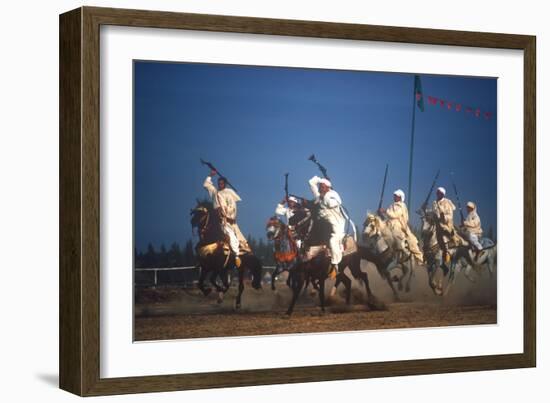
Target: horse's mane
205, 203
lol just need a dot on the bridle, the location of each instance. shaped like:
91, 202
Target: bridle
204, 220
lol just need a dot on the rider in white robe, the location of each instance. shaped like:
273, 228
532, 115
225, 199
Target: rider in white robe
471, 227
225, 200
330, 211
398, 221
287, 212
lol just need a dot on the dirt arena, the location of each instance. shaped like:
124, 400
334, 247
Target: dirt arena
174, 313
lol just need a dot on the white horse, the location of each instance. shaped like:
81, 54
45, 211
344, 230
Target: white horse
388, 253
466, 261
441, 274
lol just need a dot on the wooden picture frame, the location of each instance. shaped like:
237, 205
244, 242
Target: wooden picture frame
80, 198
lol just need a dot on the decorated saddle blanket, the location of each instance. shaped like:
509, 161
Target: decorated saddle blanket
208, 249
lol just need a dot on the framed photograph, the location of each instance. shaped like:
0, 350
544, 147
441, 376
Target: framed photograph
249, 201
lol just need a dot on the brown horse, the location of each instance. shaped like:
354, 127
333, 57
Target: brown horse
285, 247
215, 257
314, 234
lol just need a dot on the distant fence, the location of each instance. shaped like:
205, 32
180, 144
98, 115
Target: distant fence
186, 276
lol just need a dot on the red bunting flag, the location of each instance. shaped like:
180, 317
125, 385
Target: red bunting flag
450, 105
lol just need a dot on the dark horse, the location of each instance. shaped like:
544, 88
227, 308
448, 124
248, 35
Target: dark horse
216, 259
314, 234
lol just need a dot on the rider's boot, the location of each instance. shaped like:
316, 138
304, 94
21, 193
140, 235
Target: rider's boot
332, 271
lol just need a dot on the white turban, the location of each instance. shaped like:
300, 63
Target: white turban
325, 182
471, 204
442, 190
400, 193
292, 198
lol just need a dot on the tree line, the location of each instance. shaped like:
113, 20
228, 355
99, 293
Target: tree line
178, 256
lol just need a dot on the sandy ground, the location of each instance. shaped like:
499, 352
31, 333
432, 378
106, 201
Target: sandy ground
173, 313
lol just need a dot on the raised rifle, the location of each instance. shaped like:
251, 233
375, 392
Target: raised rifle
209, 165
321, 168
458, 202
286, 188
383, 189
425, 204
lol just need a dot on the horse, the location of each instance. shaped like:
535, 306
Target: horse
389, 254
315, 261
285, 247
466, 262
441, 274
215, 257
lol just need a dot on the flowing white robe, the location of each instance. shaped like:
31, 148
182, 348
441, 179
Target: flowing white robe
331, 211
472, 229
226, 201
398, 220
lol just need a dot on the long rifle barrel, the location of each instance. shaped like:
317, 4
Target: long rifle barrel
458, 202
213, 168
286, 187
425, 204
383, 188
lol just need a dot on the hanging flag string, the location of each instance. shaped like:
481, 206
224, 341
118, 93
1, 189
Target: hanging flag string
454, 106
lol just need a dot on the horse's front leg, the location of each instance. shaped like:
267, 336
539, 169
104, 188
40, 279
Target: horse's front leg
297, 283
202, 278
411, 273
322, 292
372, 301
342, 278
274, 275
389, 280
241, 289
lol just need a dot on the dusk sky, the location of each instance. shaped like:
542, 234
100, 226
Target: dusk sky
257, 123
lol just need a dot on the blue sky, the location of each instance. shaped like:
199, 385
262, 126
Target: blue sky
257, 123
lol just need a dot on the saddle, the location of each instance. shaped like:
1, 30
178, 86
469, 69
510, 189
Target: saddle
348, 243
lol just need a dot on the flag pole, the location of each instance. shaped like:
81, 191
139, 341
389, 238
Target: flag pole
412, 143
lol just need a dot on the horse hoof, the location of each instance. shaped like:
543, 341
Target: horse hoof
376, 305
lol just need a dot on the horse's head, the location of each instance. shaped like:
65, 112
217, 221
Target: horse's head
429, 222
200, 214
376, 234
371, 226
273, 228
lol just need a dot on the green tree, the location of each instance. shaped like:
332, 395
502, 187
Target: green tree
188, 254
174, 256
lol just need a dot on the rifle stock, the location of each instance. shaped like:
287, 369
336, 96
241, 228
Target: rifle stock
321, 168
